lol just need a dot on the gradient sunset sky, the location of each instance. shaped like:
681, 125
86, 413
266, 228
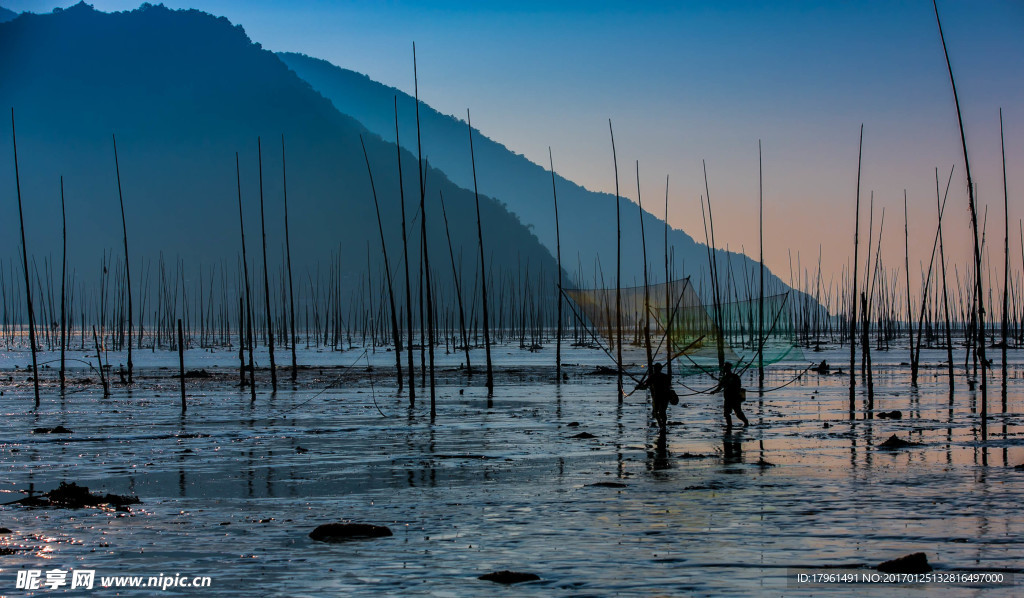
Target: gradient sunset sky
686, 81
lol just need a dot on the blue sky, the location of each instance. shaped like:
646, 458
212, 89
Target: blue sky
691, 81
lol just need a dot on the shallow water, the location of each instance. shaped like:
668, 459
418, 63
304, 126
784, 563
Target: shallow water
232, 489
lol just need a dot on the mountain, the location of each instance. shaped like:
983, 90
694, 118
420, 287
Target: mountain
7, 15
587, 218
183, 91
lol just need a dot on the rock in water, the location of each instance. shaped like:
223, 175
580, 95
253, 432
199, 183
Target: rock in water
509, 577
343, 532
584, 435
895, 442
911, 563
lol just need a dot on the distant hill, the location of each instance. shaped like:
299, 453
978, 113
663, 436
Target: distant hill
183, 91
587, 218
7, 15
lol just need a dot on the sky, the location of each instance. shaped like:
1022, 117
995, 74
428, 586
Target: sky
693, 83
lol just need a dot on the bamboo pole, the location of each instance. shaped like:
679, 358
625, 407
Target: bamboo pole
405, 251
248, 292
288, 259
668, 296
618, 269
127, 267
458, 290
266, 282
760, 295
647, 296
63, 279
558, 257
853, 298
423, 228
181, 365
980, 337
1006, 258
387, 270
483, 272
24, 258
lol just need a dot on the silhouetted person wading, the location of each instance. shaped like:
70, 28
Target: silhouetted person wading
733, 395
661, 394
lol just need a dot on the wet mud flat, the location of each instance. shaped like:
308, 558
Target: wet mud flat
557, 480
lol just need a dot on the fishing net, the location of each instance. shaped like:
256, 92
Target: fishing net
681, 325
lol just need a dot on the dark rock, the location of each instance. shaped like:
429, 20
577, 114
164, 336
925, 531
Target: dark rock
509, 577
197, 374
895, 442
343, 532
583, 435
73, 496
1019, 467
301, 450
56, 430
911, 563
572, 424
891, 415
4, 530
607, 485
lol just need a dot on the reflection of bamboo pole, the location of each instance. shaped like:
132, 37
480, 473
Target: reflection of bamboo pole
980, 335
483, 272
558, 255
24, 258
99, 363
387, 270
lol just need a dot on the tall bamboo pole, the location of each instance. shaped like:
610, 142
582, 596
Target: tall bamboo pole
1006, 258
266, 282
387, 270
127, 265
458, 289
618, 268
248, 292
288, 258
405, 251
63, 278
647, 296
24, 260
483, 272
853, 295
423, 232
558, 257
760, 294
980, 338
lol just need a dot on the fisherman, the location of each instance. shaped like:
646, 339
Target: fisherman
733, 395
662, 394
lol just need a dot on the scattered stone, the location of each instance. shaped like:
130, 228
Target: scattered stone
56, 430
911, 563
891, 415
343, 532
301, 450
509, 577
895, 442
73, 496
693, 456
607, 485
202, 373
583, 435
1019, 467
826, 425
572, 424
4, 530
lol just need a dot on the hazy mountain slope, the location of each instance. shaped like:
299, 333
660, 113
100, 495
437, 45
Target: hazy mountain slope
184, 91
587, 217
